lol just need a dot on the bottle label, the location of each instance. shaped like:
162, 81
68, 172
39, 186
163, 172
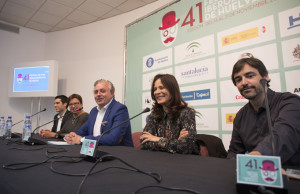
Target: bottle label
1, 128
27, 135
26, 132
9, 125
3, 131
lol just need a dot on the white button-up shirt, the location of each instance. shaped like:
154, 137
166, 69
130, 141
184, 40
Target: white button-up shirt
60, 118
99, 120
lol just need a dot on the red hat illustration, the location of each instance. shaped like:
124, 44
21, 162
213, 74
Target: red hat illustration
268, 165
169, 20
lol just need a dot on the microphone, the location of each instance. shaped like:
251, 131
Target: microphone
34, 141
97, 154
30, 116
67, 114
263, 82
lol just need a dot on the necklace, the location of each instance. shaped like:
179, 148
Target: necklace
74, 119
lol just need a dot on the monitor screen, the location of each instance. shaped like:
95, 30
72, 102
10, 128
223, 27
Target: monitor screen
33, 79
28, 79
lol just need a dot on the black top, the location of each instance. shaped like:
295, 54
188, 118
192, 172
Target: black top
250, 128
169, 130
55, 120
72, 124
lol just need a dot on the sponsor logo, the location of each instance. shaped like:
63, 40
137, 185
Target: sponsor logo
297, 90
148, 101
20, 78
238, 97
296, 52
162, 59
194, 49
150, 62
294, 22
169, 28
202, 126
196, 95
230, 117
243, 35
195, 72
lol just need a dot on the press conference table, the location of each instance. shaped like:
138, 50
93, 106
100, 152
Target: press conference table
202, 174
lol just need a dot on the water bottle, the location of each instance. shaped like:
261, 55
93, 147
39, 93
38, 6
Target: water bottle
8, 127
2, 126
26, 129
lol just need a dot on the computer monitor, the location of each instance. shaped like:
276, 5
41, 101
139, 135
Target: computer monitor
33, 79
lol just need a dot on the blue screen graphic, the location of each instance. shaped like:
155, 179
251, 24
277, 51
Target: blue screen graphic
29, 79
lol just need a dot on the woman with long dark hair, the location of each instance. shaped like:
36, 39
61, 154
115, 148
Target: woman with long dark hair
171, 126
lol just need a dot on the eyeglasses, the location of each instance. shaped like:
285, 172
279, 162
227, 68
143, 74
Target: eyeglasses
76, 103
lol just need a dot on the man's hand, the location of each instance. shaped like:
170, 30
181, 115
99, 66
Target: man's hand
258, 153
146, 136
73, 138
255, 153
46, 133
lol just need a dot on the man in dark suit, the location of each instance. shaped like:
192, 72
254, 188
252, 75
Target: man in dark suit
61, 103
107, 114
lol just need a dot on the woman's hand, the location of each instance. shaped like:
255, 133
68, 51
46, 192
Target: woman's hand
183, 133
146, 136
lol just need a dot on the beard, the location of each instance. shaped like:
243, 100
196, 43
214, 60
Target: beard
253, 93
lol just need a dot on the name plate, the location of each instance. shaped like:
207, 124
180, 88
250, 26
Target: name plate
259, 170
88, 147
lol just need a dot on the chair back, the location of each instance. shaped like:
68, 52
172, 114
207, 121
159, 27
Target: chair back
136, 139
214, 145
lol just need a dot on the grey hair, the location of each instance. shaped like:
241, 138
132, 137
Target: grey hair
111, 85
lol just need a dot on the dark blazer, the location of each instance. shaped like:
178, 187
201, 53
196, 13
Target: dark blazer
115, 114
55, 120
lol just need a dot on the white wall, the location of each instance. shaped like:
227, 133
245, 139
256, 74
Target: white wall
28, 45
84, 54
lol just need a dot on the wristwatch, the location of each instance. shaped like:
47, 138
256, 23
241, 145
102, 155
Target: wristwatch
160, 141
56, 135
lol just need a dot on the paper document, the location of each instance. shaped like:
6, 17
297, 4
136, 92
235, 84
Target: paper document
293, 173
59, 143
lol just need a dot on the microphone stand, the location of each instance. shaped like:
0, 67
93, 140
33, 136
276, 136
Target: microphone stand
264, 82
34, 141
30, 116
67, 114
284, 177
16, 135
97, 153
